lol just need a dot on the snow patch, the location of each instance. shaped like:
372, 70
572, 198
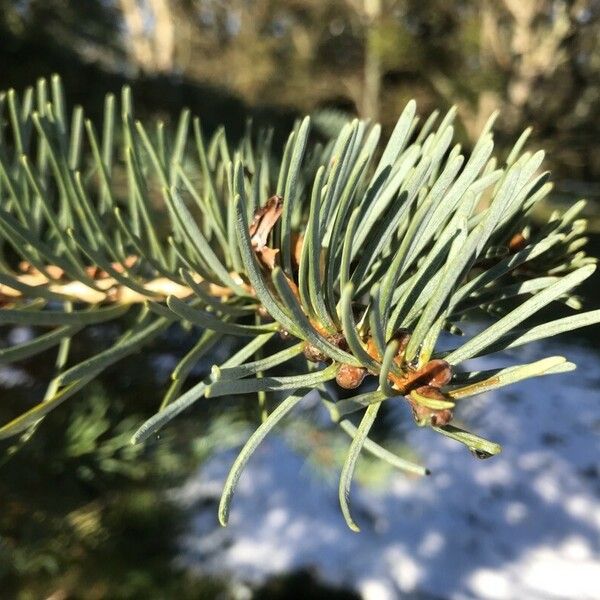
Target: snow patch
525, 524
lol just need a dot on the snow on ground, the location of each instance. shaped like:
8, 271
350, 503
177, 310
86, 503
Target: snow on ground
523, 525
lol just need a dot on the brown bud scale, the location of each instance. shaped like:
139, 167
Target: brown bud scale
314, 354
350, 377
428, 416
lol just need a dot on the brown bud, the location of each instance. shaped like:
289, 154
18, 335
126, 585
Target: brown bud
349, 377
517, 242
338, 340
128, 263
24, 266
55, 272
435, 373
440, 418
429, 416
426, 415
314, 354
430, 392
92, 271
439, 372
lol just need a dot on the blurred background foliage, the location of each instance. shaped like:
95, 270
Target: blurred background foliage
537, 61
82, 513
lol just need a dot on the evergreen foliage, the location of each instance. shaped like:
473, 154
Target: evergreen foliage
338, 261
